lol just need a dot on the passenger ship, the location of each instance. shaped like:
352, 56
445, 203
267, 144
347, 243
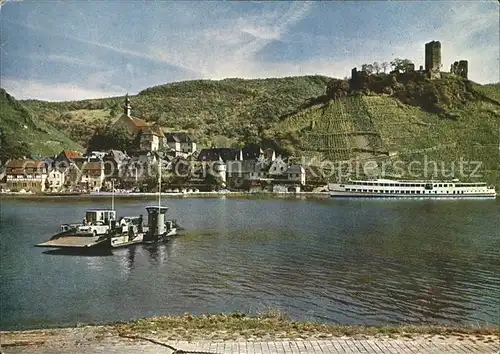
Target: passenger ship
411, 188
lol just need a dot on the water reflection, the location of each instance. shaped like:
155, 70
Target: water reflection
78, 252
130, 257
158, 254
337, 261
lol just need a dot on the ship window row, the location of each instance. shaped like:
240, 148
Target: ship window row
398, 184
399, 192
435, 185
471, 185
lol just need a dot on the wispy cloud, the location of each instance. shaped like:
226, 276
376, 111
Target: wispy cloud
24, 89
229, 51
65, 59
254, 41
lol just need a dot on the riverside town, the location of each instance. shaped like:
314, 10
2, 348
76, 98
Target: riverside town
187, 170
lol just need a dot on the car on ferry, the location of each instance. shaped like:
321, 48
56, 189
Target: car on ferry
96, 222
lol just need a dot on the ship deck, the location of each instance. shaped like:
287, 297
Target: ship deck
73, 241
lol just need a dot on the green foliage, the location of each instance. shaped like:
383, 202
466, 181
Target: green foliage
23, 134
368, 68
208, 108
369, 127
11, 149
490, 91
400, 65
337, 88
384, 66
437, 96
296, 117
108, 138
214, 181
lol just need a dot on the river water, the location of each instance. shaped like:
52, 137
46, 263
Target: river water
337, 261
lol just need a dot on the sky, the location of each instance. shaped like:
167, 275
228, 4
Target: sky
77, 49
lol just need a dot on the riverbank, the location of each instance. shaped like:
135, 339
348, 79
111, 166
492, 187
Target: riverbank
168, 195
190, 332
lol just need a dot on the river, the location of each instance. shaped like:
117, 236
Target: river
337, 261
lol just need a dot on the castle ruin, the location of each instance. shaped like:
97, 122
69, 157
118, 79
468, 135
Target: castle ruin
460, 68
433, 59
432, 70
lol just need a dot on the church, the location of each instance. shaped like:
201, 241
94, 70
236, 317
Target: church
152, 135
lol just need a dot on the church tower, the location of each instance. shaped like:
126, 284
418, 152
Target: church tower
127, 108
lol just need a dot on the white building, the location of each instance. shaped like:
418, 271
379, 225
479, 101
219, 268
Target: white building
27, 175
56, 179
296, 173
181, 143
93, 175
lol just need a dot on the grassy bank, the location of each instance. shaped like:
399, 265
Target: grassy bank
276, 325
270, 325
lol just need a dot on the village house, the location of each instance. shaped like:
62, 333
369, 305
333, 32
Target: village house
296, 173
255, 152
114, 163
152, 138
151, 135
220, 154
60, 167
261, 168
56, 178
239, 172
95, 155
278, 168
92, 175
140, 166
27, 175
180, 143
67, 157
251, 152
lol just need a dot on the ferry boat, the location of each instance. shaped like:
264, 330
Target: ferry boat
387, 188
130, 230
100, 228
92, 232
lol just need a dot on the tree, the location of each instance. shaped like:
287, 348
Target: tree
250, 134
368, 68
162, 120
384, 66
214, 181
108, 138
337, 88
376, 67
11, 149
400, 65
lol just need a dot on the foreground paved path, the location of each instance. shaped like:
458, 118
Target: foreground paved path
422, 344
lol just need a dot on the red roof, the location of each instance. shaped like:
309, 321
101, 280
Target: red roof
139, 123
70, 155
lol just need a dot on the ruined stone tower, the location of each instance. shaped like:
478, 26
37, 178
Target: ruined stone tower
460, 68
433, 59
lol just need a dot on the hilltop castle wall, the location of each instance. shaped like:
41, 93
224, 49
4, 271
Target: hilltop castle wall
460, 68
